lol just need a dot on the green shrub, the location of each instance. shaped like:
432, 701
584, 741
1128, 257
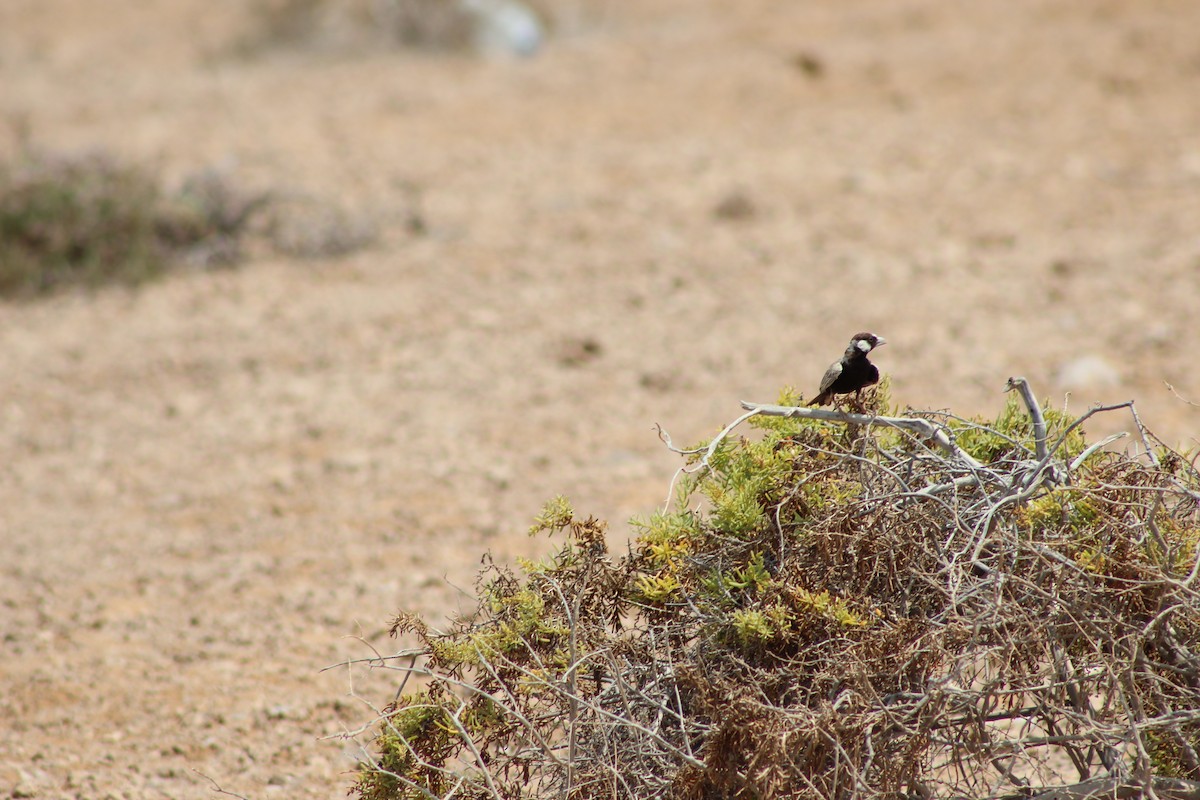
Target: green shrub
831, 612
91, 220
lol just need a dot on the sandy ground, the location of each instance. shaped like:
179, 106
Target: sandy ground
211, 485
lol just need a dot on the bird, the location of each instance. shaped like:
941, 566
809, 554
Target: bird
853, 372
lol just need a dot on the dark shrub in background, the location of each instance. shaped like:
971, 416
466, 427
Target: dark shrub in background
91, 220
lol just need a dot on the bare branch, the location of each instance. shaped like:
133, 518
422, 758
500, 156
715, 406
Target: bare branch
922, 428
1181, 397
217, 787
1165, 788
1021, 385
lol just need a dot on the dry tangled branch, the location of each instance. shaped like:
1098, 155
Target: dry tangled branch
894, 606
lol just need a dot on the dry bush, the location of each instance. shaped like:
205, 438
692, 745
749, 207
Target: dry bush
514, 27
431, 25
921, 606
92, 219
303, 226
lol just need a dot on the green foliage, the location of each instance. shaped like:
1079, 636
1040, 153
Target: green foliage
665, 542
1067, 512
656, 590
1011, 434
735, 586
786, 426
833, 608
556, 515
756, 629
519, 640
744, 480
667, 536
752, 578
399, 765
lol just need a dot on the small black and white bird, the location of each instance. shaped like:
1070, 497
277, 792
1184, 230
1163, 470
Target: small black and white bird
853, 372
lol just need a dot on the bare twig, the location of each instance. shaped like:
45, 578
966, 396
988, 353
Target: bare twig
216, 787
1021, 385
1181, 397
1080, 459
708, 451
1120, 789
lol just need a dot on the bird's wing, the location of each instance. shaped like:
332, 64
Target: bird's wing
831, 375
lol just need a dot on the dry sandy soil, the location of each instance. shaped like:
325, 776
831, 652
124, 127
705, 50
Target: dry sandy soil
211, 485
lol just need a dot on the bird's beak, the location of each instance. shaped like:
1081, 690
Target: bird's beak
880, 341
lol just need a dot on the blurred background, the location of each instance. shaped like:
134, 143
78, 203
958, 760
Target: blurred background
453, 259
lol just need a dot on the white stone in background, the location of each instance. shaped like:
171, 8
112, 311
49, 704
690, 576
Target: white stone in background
505, 26
1088, 372
1159, 334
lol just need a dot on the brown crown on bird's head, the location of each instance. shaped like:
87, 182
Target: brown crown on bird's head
864, 343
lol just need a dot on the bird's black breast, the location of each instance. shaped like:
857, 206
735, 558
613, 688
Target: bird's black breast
856, 374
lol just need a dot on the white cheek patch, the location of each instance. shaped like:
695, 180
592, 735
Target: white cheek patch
864, 345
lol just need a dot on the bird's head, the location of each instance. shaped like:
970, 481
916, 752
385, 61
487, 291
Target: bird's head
864, 343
